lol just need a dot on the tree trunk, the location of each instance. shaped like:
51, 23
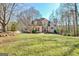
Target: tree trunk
74, 26
68, 24
4, 28
66, 27
76, 19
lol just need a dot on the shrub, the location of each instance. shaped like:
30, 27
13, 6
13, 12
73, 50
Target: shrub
34, 31
55, 31
13, 27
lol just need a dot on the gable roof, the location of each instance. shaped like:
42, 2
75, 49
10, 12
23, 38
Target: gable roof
41, 19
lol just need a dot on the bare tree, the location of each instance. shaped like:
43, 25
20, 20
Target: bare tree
76, 20
27, 16
6, 12
69, 14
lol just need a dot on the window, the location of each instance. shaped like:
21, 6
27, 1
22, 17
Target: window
38, 29
51, 27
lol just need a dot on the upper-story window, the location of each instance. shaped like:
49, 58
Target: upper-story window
51, 27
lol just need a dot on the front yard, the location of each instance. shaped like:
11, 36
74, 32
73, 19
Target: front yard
40, 45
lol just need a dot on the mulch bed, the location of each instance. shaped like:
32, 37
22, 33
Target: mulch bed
7, 34
7, 37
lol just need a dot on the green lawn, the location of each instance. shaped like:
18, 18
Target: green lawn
41, 45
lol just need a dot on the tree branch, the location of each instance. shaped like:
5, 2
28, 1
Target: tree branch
10, 13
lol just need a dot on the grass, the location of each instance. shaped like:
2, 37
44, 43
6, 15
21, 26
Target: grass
40, 45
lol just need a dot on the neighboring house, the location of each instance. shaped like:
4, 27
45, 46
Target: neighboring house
53, 26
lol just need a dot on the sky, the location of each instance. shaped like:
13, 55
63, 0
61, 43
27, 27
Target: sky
44, 8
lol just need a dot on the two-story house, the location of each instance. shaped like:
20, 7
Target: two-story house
41, 25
